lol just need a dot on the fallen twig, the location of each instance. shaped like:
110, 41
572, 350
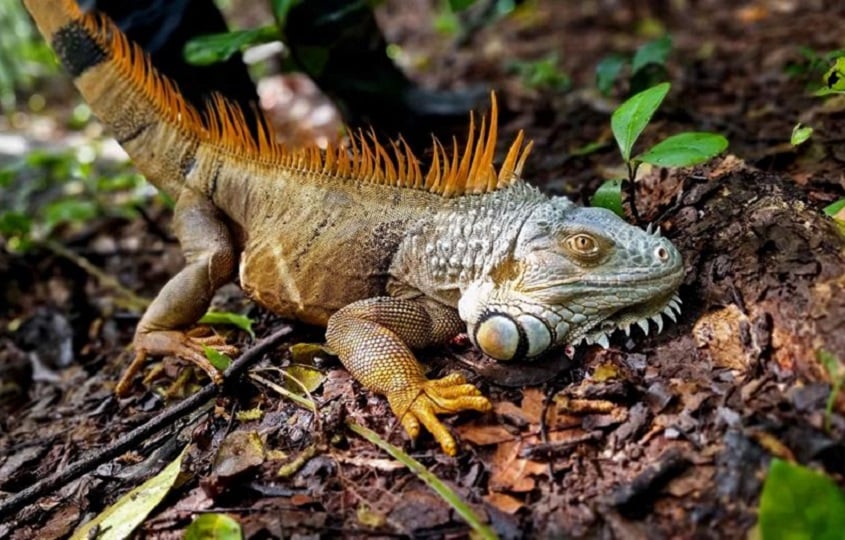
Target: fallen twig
99, 456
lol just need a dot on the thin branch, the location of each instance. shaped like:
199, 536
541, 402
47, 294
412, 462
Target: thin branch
97, 457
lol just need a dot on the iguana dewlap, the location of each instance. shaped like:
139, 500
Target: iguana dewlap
360, 239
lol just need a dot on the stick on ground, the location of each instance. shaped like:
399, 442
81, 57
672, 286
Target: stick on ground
95, 458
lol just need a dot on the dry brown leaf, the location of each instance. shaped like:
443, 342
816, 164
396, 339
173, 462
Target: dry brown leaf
510, 472
239, 452
533, 404
726, 336
481, 435
504, 502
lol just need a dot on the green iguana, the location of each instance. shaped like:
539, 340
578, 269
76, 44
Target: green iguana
360, 239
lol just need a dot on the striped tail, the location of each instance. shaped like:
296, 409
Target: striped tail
169, 139
143, 109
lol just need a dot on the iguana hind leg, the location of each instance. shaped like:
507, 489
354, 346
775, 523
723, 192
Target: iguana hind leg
374, 338
209, 252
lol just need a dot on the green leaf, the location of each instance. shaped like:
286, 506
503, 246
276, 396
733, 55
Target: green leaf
834, 208
653, 52
609, 195
215, 48
446, 22
120, 519
14, 224
227, 317
308, 379
217, 358
213, 527
834, 79
607, 71
800, 134
69, 211
305, 353
799, 503
631, 118
684, 149
542, 73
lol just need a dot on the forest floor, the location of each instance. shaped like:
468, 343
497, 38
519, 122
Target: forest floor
661, 435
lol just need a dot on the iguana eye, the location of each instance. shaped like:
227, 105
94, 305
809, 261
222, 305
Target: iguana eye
582, 246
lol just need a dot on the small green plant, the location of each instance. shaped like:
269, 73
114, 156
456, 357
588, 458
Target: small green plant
836, 211
232, 319
214, 526
681, 150
219, 360
448, 22
46, 191
836, 372
215, 48
811, 68
800, 134
542, 74
798, 503
833, 81
647, 66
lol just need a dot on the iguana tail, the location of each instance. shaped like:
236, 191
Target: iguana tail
170, 140
144, 110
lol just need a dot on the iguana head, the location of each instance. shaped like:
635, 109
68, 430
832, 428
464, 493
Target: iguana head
571, 274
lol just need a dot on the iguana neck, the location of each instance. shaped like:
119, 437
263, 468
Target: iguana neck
469, 237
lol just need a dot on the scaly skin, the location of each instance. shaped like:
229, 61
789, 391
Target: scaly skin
389, 259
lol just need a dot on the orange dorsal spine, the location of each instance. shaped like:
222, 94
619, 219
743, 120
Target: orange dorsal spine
222, 124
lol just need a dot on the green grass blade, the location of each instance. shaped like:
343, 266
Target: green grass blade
445, 492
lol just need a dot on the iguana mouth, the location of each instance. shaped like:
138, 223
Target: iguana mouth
639, 315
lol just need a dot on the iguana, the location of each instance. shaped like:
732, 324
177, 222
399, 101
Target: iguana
359, 239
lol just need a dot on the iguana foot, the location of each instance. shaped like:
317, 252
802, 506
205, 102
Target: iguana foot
185, 345
419, 404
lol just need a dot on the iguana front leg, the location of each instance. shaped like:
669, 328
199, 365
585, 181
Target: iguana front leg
374, 338
210, 263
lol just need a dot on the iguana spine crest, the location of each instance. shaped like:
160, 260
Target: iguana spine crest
222, 124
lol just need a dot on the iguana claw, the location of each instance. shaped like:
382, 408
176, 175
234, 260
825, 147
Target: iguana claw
188, 346
420, 404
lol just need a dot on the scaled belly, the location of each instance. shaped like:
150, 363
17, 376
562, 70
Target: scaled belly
310, 292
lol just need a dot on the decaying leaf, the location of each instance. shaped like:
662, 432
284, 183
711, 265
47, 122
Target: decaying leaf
310, 378
240, 451
120, 519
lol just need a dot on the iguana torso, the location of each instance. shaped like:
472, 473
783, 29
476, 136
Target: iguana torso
360, 239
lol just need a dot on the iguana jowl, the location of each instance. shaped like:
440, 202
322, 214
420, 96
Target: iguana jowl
360, 239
